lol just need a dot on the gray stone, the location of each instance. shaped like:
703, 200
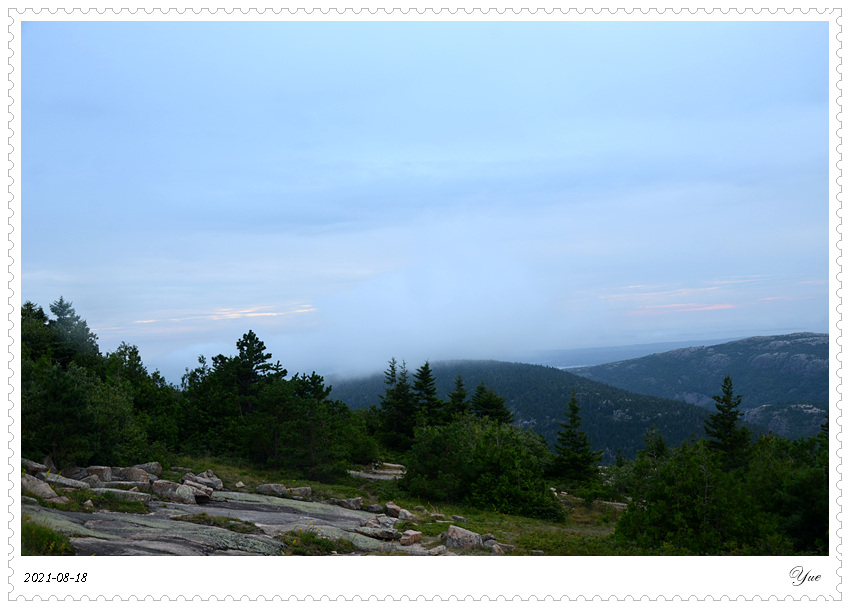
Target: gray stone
37, 487
153, 467
276, 490
380, 521
208, 478
92, 480
393, 509
126, 495
437, 516
202, 493
32, 467
405, 515
185, 494
463, 539
379, 533
240, 484
74, 472
301, 491
438, 551
355, 503
66, 482
410, 537
134, 474
101, 471
123, 485
537, 552
89, 504
458, 518
375, 508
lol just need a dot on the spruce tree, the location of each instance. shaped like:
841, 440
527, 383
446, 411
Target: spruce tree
574, 458
457, 399
429, 407
486, 402
724, 434
398, 407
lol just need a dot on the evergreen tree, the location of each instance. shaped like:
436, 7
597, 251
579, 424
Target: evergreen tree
458, 404
74, 339
487, 403
430, 408
724, 434
574, 458
398, 407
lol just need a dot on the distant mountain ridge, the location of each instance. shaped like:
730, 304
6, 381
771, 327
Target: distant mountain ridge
784, 379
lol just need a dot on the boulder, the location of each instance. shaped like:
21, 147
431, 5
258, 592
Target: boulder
202, 492
410, 537
240, 484
403, 514
89, 504
185, 494
101, 471
355, 503
75, 472
92, 480
301, 491
379, 533
174, 491
380, 521
208, 478
439, 550
134, 474
458, 518
37, 487
457, 537
375, 508
277, 490
63, 481
153, 468
498, 548
122, 485
392, 509
437, 516
32, 467
126, 495
537, 552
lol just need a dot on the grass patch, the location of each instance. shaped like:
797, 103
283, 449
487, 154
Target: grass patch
223, 522
101, 501
311, 543
40, 540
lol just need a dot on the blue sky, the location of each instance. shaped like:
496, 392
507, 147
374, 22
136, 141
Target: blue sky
359, 191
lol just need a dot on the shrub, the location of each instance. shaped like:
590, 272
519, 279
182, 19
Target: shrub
40, 540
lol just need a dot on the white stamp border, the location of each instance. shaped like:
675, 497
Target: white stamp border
419, 579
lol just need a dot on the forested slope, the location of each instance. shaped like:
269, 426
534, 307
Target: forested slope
784, 380
613, 418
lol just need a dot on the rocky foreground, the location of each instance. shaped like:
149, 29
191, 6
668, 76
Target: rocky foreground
273, 508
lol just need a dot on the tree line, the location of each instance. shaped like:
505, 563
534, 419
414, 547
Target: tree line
723, 493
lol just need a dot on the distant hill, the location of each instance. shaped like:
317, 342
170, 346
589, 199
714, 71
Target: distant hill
538, 395
784, 380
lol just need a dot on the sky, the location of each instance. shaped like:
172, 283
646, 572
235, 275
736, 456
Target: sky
354, 192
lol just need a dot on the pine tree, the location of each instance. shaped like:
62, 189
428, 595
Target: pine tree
429, 407
398, 407
487, 403
574, 458
457, 399
724, 434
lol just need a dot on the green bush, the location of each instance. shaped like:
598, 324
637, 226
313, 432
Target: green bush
486, 464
